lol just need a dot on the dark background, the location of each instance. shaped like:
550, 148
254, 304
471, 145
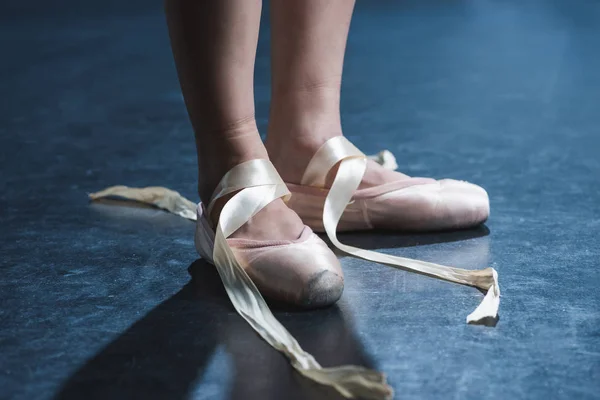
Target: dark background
107, 302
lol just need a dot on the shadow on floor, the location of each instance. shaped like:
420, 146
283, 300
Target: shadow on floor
166, 353
373, 240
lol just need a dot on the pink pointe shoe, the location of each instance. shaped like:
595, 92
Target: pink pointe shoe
412, 204
302, 272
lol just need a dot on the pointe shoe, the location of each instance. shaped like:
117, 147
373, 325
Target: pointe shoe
412, 204
303, 272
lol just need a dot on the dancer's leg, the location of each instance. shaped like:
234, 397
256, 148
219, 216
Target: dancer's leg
214, 44
308, 45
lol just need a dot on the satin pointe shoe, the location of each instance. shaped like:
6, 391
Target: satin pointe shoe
303, 271
413, 204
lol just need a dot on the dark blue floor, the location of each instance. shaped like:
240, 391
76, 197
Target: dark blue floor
106, 302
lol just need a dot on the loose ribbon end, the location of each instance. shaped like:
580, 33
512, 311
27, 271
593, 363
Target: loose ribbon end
488, 309
352, 381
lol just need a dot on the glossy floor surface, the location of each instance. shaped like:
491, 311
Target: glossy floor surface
100, 301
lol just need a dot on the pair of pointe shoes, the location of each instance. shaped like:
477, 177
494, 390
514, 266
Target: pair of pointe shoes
305, 272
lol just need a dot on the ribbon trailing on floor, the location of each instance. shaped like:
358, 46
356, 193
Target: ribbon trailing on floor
260, 185
352, 164
351, 381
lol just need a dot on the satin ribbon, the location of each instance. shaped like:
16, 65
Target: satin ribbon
259, 184
352, 166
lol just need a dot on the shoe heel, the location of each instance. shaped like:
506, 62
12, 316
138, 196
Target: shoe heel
204, 239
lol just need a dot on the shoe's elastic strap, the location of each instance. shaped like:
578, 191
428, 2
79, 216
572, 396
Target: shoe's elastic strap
266, 186
351, 169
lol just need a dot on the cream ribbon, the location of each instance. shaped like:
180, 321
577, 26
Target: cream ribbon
259, 184
352, 166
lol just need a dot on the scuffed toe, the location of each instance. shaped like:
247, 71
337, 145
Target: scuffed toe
323, 290
304, 272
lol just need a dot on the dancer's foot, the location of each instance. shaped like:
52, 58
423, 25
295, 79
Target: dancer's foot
385, 199
284, 258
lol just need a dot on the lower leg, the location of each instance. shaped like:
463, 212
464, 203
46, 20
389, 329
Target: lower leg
214, 45
308, 43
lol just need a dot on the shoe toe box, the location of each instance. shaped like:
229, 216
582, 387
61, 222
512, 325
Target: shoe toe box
444, 204
305, 274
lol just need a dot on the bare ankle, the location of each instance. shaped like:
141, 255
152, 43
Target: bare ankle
292, 143
222, 149
291, 152
302, 118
